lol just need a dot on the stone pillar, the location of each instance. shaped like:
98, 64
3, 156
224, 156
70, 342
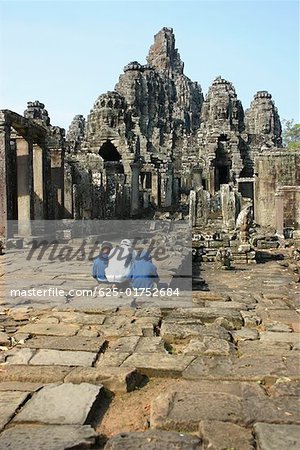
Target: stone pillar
135, 191
279, 213
38, 182
169, 189
197, 177
155, 189
192, 208
24, 185
57, 177
228, 202
4, 151
211, 180
68, 193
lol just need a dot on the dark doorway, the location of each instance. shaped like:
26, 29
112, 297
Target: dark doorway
222, 166
109, 152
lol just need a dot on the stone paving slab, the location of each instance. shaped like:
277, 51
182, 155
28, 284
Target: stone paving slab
47, 437
153, 440
273, 337
218, 435
19, 386
115, 379
33, 374
10, 401
276, 437
76, 343
18, 356
183, 407
50, 329
73, 317
208, 315
45, 357
61, 404
158, 364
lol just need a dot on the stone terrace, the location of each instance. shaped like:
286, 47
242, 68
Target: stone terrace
223, 374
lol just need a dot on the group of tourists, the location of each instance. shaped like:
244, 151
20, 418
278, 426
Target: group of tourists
123, 266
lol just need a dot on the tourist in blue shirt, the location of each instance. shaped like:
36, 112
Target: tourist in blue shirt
101, 262
144, 273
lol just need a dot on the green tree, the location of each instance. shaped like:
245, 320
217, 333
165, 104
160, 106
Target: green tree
291, 135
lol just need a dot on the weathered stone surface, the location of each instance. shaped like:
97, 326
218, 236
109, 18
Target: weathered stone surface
275, 437
285, 387
274, 337
33, 374
247, 348
115, 379
76, 343
245, 334
47, 437
4, 339
125, 344
72, 317
209, 346
49, 330
19, 356
64, 404
45, 357
112, 359
218, 367
10, 401
153, 440
208, 315
218, 435
186, 405
157, 364
19, 386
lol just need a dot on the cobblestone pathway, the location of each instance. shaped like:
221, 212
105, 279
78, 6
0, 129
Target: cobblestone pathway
229, 367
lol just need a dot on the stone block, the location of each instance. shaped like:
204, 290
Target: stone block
63, 404
184, 406
49, 329
153, 439
19, 356
114, 379
45, 357
34, 374
47, 437
158, 364
10, 401
277, 337
4, 339
218, 435
209, 346
275, 437
76, 343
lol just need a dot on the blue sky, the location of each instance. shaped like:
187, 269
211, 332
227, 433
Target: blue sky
66, 53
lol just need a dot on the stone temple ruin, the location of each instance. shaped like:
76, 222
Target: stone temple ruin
153, 147
216, 368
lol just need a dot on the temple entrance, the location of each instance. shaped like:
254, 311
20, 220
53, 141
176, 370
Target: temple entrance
222, 165
110, 154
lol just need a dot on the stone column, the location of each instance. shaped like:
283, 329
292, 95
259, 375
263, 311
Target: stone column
228, 201
135, 192
155, 189
169, 189
38, 182
57, 177
279, 213
211, 180
24, 185
192, 208
4, 149
197, 177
